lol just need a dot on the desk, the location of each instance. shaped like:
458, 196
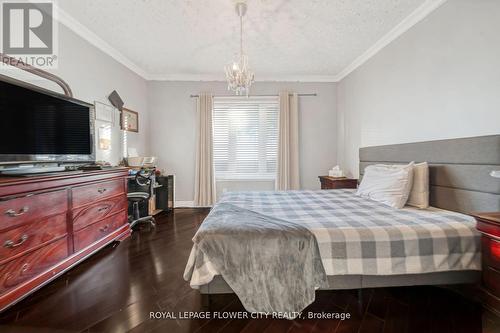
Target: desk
161, 190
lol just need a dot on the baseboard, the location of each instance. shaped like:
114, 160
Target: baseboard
188, 204
184, 204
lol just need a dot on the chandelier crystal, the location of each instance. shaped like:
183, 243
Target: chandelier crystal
238, 75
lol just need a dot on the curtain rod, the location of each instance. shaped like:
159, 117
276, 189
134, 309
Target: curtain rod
193, 96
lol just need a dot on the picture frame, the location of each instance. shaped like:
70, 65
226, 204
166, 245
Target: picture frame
104, 137
129, 120
104, 112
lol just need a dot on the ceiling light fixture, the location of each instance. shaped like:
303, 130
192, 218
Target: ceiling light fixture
238, 75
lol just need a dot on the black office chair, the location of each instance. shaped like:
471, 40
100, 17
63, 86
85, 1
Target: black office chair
142, 178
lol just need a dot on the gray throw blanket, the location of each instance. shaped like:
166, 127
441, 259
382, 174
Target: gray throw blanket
272, 265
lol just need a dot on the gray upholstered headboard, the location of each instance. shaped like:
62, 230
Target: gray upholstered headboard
459, 170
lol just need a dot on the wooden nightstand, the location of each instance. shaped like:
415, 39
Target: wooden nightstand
489, 226
331, 183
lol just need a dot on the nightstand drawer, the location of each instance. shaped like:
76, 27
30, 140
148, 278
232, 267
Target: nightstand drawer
488, 228
488, 223
491, 251
491, 280
332, 183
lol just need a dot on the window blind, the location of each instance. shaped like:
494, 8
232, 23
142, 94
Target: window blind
245, 137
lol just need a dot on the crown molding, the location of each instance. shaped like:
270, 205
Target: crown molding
69, 21
221, 78
184, 77
416, 16
297, 78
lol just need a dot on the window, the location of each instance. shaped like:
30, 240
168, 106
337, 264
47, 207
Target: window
245, 137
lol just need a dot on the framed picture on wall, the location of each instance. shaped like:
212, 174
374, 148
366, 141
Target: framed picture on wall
104, 137
129, 120
104, 112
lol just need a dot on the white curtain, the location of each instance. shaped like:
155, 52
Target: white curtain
204, 191
288, 143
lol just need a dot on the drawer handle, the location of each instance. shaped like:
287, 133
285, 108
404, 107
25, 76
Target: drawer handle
103, 229
13, 213
101, 190
10, 244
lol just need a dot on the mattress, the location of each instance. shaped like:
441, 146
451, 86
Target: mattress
358, 236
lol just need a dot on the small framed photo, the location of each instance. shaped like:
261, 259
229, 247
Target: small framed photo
104, 137
104, 112
129, 120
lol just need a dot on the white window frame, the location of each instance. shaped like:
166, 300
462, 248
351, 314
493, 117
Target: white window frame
261, 174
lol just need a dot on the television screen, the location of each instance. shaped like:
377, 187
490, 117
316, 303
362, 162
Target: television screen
35, 123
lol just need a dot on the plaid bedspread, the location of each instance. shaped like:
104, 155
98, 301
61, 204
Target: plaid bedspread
361, 236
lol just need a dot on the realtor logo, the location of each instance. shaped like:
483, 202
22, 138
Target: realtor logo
29, 32
27, 28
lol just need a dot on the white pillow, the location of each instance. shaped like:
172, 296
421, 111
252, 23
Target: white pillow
388, 184
419, 194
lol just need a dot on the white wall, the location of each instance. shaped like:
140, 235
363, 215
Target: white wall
92, 75
441, 79
173, 120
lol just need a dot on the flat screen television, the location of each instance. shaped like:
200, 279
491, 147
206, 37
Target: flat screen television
38, 125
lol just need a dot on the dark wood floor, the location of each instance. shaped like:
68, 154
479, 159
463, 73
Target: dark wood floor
115, 291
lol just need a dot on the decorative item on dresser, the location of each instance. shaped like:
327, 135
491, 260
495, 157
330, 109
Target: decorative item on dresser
489, 226
51, 222
331, 183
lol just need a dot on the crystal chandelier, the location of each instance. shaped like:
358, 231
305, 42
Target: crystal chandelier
238, 75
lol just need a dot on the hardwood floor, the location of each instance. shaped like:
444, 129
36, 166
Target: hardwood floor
115, 291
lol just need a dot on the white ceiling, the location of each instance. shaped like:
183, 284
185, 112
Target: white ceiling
300, 40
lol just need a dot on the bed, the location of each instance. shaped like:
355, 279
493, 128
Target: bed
362, 243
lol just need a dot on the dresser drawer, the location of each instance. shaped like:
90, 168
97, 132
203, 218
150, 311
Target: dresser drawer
23, 269
31, 235
83, 195
99, 230
84, 216
14, 212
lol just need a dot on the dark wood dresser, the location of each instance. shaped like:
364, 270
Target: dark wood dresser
52, 222
331, 183
489, 226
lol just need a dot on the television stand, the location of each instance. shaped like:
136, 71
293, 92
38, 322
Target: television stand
32, 170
